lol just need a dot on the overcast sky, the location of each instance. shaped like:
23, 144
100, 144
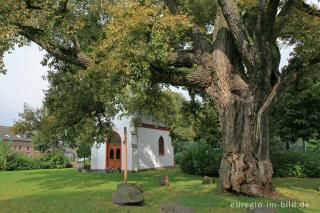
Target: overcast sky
22, 83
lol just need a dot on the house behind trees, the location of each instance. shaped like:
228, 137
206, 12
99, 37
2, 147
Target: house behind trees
20, 143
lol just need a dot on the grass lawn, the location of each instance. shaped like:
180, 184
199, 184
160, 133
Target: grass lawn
66, 190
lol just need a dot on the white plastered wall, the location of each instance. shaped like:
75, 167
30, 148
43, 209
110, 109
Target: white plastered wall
148, 149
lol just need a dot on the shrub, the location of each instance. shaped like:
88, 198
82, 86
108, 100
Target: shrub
57, 161
285, 164
201, 159
296, 164
178, 157
10, 160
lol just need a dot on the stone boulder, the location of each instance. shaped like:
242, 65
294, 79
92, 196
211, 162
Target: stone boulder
164, 180
128, 194
171, 207
262, 210
207, 180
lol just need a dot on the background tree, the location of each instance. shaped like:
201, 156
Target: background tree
84, 151
227, 49
296, 114
38, 121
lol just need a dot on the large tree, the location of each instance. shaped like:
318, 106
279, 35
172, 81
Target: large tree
227, 49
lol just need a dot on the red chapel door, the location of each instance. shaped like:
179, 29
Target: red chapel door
113, 151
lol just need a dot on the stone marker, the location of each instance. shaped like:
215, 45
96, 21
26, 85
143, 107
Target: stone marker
128, 194
262, 210
207, 180
171, 207
164, 180
319, 188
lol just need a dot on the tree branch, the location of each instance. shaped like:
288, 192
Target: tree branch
266, 17
182, 59
71, 55
175, 78
239, 32
199, 39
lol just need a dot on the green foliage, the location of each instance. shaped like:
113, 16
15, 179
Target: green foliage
204, 118
57, 161
189, 120
206, 156
6, 154
285, 164
84, 150
178, 157
296, 164
39, 121
10, 160
83, 104
296, 113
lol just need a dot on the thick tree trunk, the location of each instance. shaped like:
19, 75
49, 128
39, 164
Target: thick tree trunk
245, 166
243, 99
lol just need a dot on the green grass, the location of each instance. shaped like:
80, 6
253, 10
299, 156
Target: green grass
66, 190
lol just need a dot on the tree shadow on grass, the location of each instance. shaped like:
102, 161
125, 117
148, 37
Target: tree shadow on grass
100, 201
92, 192
69, 191
57, 179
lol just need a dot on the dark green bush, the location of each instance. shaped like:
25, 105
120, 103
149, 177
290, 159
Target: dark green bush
285, 164
201, 159
178, 157
296, 164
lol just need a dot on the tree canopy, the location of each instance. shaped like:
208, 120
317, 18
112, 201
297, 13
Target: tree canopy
101, 47
105, 52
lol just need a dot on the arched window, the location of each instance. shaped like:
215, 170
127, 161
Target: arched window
118, 154
161, 146
111, 154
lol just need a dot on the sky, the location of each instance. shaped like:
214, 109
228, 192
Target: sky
23, 82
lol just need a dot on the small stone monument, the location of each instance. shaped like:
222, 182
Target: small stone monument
128, 194
207, 180
164, 180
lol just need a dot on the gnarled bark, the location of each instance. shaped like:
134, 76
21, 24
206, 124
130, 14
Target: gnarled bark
244, 117
245, 166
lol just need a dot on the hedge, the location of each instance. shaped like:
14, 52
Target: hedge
202, 159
